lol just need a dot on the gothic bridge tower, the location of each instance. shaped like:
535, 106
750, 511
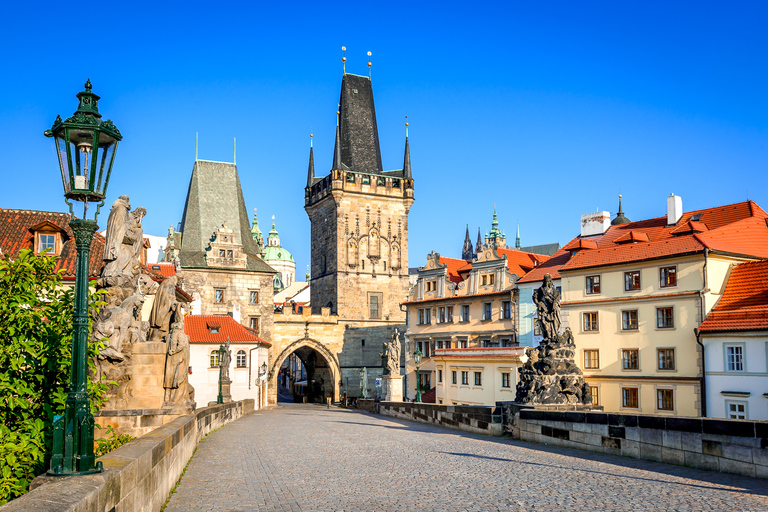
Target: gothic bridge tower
359, 218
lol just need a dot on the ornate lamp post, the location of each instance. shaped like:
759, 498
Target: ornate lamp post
417, 361
85, 146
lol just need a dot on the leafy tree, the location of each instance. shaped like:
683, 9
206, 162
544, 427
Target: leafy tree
35, 358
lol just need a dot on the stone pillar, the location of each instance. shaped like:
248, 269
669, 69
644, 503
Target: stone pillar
392, 388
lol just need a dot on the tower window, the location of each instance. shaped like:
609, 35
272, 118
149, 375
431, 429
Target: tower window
362, 264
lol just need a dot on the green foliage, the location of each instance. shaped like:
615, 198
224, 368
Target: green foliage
35, 357
114, 440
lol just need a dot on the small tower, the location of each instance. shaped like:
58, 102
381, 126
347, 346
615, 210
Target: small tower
467, 252
257, 235
620, 218
496, 237
277, 257
518, 245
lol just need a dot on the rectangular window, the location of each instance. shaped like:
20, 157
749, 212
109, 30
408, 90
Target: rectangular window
487, 311
483, 280
630, 359
449, 314
374, 306
666, 358
439, 375
478, 379
242, 359
428, 315
629, 320
218, 296
632, 280
254, 321
665, 318
453, 377
229, 253
447, 344
222, 252
536, 327
465, 378
667, 276
506, 309
734, 358
463, 343
425, 349
736, 410
590, 322
465, 313
591, 359
46, 242
254, 297
441, 315
593, 284
214, 359
505, 380
665, 400
491, 278
595, 395
629, 398
421, 317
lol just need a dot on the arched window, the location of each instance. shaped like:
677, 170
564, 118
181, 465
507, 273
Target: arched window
241, 358
214, 359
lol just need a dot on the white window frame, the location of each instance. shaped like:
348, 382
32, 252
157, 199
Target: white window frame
728, 404
726, 365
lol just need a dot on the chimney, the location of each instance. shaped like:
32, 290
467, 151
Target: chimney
674, 209
595, 223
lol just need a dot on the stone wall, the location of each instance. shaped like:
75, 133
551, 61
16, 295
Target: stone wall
469, 418
729, 446
237, 285
137, 476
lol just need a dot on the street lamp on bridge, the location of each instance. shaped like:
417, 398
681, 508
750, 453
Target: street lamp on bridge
417, 361
85, 147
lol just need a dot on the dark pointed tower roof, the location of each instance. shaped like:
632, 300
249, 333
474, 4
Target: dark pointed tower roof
359, 134
311, 170
407, 159
337, 151
467, 252
479, 243
214, 197
620, 218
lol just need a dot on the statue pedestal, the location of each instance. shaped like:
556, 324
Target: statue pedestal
225, 390
392, 388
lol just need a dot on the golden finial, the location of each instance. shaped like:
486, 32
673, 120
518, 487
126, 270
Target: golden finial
619, 196
406, 127
369, 65
310, 139
344, 60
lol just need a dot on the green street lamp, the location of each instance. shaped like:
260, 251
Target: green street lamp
221, 352
417, 361
85, 146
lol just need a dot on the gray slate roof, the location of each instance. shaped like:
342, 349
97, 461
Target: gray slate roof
359, 134
215, 196
544, 249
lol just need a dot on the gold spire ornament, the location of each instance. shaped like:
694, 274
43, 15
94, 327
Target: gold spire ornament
369, 65
406, 127
344, 60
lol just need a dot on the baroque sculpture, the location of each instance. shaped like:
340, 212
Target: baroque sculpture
125, 285
390, 356
550, 375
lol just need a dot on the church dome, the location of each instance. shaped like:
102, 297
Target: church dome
276, 253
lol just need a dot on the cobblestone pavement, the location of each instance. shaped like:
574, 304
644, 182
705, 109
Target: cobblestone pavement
307, 457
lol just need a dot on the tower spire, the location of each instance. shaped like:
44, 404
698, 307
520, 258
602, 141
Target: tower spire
467, 251
620, 217
343, 60
311, 170
479, 244
518, 245
337, 147
407, 158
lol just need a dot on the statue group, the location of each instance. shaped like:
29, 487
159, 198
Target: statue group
550, 375
390, 355
118, 324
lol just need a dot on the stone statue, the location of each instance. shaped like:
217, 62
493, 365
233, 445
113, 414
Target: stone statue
550, 375
123, 244
393, 364
226, 360
547, 301
160, 317
119, 325
177, 387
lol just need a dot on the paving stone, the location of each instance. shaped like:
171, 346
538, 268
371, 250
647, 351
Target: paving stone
309, 458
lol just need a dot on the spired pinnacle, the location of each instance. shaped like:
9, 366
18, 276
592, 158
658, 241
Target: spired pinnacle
467, 251
311, 169
88, 85
407, 158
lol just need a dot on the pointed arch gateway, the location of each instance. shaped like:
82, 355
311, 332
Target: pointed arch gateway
318, 348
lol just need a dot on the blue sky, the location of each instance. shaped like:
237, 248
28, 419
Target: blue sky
548, 111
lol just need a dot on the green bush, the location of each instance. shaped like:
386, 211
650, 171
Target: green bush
35, 357
114, 440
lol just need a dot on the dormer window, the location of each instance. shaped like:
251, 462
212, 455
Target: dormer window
46, 242
222, 253
213, 330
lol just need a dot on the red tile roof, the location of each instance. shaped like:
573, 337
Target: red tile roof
452, 266
164, 269
551, 267
198, 328
520, 262
16, 234
744, 304
632, 237
578, 244
736, 229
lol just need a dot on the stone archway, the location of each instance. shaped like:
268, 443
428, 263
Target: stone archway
309, 344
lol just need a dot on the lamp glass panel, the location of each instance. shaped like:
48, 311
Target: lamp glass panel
61, 153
